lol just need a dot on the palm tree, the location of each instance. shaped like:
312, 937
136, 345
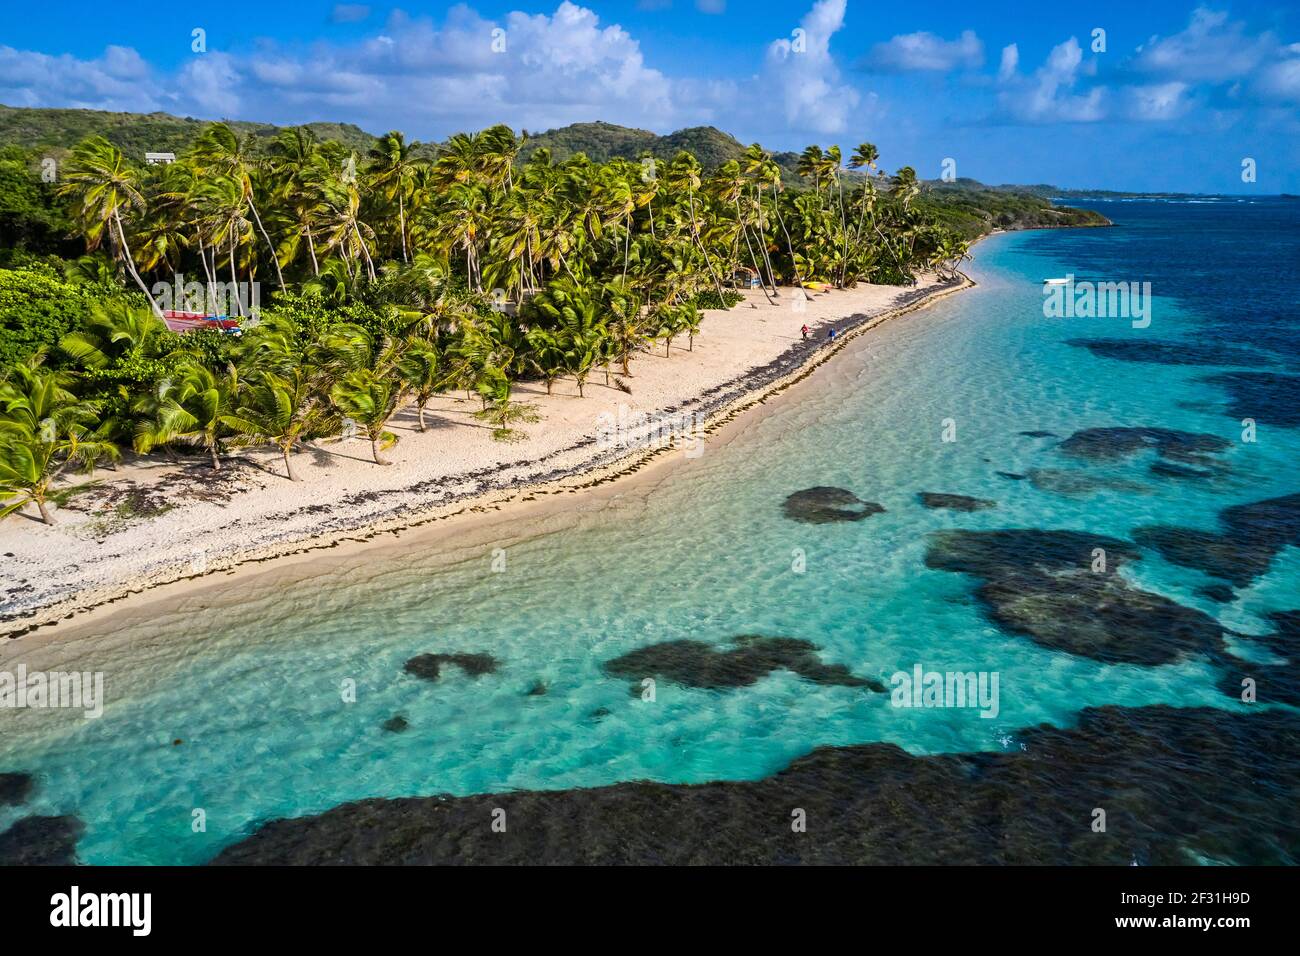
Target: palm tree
369, 398
421, 370
394, 167
44, 430
115, 333
275, 409
500, 411
684, 176
546, 353
189, 407
220, 150
301, 169
96, 176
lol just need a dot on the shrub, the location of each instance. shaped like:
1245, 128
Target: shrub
709, 299
37, 308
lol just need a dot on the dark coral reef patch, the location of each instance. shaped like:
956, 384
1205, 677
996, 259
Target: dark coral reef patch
429, 666
824, 504
1178, 786
15, 788
1112, 444
697, 664
41, 841
934, 499
1061, 589
1252, 535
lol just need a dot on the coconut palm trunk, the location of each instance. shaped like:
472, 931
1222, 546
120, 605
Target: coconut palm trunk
130, 265
275, 260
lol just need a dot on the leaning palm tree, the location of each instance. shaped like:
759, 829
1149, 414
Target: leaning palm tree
275, 409
188, 407
369, 398
420, 368
103, 187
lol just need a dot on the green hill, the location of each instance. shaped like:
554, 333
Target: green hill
602, 142
966, 204
58, 130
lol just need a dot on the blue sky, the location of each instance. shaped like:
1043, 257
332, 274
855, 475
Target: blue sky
1172, 95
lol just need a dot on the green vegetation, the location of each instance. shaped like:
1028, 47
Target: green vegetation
972, 209
397, 270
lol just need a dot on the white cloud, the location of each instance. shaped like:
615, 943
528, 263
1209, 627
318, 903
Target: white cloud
1281, 80
431, 78
805, 76
1158, 101
1010, 60
1047, 97
118, 80
926, 51
1211, 48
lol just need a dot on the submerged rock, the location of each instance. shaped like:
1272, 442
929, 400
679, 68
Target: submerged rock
1156, 352
1252, 536
1063, 481
1179, 786
932, 499
429, 666
1166, 469
41, 841
697, 664
1218, 593
1110, 444
538, 689
825, 504
1042, 584
1273, 683
15, 788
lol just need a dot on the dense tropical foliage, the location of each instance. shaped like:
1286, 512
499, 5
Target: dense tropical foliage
396, 273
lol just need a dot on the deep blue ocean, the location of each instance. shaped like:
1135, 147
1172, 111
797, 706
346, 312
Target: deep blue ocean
1173, 448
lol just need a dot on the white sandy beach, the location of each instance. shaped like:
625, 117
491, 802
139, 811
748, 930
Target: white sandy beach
151, 522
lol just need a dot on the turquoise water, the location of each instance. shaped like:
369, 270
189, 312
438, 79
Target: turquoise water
250, 680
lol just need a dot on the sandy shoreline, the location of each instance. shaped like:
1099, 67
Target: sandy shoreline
154, 523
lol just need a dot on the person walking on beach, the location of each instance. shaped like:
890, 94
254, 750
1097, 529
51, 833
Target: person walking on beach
831, 335
804, 331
